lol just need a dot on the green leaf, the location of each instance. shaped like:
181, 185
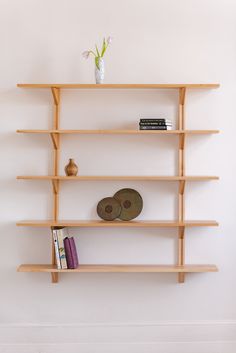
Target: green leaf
97, 62
104, 47
98, 54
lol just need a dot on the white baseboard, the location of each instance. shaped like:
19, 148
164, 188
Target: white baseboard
161, 337
174, 347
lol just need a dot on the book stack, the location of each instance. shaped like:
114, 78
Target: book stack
155, 124
65, 249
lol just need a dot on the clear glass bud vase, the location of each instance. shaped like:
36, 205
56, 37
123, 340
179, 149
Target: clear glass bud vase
99, 73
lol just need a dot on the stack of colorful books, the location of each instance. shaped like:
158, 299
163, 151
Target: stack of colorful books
65, 249
155, 124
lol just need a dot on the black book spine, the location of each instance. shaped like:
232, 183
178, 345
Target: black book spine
153, 120
160, 123
153, 127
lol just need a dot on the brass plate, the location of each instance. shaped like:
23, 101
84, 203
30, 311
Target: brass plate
108, 209
131, 203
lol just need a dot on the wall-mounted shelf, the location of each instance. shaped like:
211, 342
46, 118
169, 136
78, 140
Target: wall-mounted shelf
121, 132
119, 224
117, 178
180, 224
121, 268
119, 85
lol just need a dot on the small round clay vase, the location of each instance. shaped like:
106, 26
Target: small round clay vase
71, 168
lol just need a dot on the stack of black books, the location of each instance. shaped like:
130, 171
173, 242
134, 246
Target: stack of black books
155, 124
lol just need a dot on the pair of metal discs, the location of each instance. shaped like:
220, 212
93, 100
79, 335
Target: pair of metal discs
126, 204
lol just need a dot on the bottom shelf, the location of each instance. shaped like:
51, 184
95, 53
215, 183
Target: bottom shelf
121, 268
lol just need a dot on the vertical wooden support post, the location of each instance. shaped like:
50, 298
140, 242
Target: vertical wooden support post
181, 253
181, 171
56, 156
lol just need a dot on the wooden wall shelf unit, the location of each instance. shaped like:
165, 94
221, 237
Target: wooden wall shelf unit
180, 224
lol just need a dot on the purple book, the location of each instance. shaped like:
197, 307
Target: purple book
71, 253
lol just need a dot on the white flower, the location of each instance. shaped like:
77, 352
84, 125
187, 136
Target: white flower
109, 40
85, 54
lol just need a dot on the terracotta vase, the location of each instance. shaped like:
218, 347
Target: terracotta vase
71, 168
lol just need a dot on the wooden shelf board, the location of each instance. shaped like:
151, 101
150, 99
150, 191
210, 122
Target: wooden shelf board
119, 224
119, 86
121, 132
121, 268
120, 177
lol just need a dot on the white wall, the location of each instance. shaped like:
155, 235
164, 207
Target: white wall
155, 41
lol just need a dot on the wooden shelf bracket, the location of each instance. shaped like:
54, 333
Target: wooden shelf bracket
55, 140
182, 141
182, 95
55, 185
181, 187
56, 95
181, 253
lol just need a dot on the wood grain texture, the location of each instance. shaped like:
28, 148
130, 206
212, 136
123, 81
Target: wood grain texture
119, 224
120, 132
120, 268
120, 86
118, 177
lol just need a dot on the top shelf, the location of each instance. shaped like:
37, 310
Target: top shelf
119, 85
121, 132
